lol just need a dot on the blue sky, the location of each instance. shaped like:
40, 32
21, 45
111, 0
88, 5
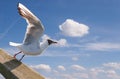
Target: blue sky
87, 31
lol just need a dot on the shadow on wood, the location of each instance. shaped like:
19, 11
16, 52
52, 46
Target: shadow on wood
6, 73
11, 68
11, 64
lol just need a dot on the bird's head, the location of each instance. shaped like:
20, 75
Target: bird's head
51, 42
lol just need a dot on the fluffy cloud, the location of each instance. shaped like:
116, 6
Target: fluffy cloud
62, 42
80, 72
94, 72
112, 74
43, 67
75, 58
102, 46
73, 29
80, 75
60, 67
112, 65
74, 76
78, 67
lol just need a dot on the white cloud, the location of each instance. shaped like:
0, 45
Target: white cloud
74, 76
75, 58
78, 67
73, 29
113, 65
112, 74
62, 43
102, 46
43, 67
94, 72
67, 76
80, 75
79, 72
60, 67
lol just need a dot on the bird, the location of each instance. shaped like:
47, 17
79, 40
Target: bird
31, 44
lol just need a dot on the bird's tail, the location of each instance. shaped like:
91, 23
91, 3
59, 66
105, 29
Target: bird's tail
14, 44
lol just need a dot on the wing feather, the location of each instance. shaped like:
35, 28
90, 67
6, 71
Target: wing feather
34, 29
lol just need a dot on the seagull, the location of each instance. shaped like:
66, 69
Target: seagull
35, 29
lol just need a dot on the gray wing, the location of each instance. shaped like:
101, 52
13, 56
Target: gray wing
34, 29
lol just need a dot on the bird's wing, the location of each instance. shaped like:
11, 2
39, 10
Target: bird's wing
34, 29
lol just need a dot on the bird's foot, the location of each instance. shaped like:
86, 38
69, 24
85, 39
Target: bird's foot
14, 56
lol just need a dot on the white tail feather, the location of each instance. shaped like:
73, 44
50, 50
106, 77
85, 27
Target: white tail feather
14, 44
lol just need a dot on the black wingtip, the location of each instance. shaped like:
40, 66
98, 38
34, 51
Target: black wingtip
18, 8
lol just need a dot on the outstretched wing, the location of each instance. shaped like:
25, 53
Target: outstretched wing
34, 28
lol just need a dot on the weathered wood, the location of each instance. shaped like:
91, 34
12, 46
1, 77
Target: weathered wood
11, 68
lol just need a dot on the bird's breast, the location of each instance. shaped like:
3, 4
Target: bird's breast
31, 50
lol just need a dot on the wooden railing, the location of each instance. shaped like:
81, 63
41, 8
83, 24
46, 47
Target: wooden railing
11, 68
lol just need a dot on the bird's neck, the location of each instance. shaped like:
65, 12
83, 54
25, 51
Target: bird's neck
44, 45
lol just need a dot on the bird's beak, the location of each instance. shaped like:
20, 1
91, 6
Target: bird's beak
51, 42
54, 42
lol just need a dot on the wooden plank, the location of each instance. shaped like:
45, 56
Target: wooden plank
11, 68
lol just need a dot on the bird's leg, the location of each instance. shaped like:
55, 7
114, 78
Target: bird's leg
22, 57
17, 54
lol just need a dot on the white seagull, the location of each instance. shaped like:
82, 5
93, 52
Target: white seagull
35, 29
